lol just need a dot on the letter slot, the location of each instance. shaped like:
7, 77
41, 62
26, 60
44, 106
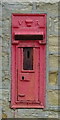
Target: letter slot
28, 37
27, 58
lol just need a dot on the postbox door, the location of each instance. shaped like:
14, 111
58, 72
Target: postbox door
28, 74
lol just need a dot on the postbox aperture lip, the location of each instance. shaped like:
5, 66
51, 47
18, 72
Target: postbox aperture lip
30, 33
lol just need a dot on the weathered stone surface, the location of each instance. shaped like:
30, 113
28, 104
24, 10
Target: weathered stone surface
53, 48
53, 78
47, 1
0, 110
53, 41
15, 8
0, 64
0, 103
6, 110
53, 61
53, 115
53, 97
31, 113
4, 115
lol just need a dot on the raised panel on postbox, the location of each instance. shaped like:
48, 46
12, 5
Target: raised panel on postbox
28, 60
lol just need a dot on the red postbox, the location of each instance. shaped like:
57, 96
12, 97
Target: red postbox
28, 60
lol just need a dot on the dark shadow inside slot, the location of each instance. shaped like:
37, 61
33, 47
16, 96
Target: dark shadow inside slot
28, 37
28, 58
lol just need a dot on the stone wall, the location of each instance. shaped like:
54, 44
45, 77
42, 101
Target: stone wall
46, 1
52, 89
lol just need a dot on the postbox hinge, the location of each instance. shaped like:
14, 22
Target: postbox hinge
42, 43
21, 95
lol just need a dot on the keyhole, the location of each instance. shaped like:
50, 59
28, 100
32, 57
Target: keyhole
28, 54
22, 77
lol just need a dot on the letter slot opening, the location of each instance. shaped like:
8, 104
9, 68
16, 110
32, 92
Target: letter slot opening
28, 58
28, 37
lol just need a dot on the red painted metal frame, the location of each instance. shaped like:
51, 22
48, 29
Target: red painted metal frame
42, 81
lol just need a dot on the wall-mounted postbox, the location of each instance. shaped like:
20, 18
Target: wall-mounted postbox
28, 60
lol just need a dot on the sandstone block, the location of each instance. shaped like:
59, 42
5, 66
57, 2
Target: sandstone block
53, 61
54, 97
53, 40
53, 77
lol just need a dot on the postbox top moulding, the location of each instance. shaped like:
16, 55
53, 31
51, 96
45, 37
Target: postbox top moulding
29, 24
28, 20
29, 14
